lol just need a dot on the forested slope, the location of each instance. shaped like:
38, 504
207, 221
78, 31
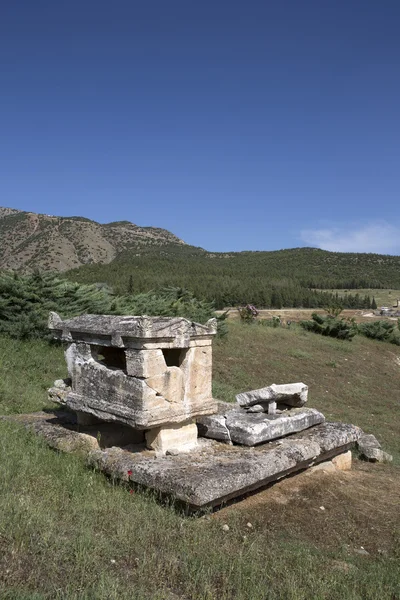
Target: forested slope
284, 277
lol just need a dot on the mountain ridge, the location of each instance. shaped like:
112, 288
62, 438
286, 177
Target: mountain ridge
31, 241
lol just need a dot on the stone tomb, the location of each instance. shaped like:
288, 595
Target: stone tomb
139, 384
150, 373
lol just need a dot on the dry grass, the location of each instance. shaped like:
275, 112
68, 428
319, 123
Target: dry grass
299, 314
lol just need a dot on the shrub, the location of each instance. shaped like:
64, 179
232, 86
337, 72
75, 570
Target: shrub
343, 329
25, 303
381, 330
378, 330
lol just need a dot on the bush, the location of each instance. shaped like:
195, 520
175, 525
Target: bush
343, 329
25, 303
381, 330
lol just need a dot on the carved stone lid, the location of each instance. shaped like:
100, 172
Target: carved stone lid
118, 328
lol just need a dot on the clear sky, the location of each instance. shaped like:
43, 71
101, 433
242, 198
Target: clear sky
252, 125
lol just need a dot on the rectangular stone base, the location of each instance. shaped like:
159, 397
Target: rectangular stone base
212, 474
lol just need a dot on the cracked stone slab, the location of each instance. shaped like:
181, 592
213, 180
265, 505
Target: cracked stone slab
233, 424
215, 472
256, 428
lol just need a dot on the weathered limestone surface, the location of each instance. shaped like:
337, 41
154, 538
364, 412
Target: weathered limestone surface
145, 363
221, 472
256, 428
110, 330
343, 462
140, 371
207, 476
290, 394
197, 370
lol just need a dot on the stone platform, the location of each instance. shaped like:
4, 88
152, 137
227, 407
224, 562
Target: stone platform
208, 476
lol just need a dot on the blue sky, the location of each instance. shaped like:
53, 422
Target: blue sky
236, 125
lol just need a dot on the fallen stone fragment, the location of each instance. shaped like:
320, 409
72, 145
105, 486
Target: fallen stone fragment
370, 449
251, 429
367, 440
59, 391
214, 427
376, 455
290, 394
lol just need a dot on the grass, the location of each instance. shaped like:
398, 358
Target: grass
69, 533
384, 297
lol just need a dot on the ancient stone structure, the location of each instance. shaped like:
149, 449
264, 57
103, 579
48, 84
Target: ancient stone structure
140, 388
151, 373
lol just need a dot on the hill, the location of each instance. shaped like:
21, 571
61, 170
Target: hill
32, 241
276, 278
135, 259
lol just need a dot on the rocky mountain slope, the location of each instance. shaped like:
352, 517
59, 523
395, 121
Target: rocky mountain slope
30, 241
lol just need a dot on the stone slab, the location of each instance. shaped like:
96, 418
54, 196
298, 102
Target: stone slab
111, 330
290, 394
215, 472
257, 428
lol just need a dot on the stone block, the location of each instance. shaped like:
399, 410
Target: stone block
145, 363
197, 370
213, 427
326, 466
176, 438
343, 461
169, 384
290, 394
